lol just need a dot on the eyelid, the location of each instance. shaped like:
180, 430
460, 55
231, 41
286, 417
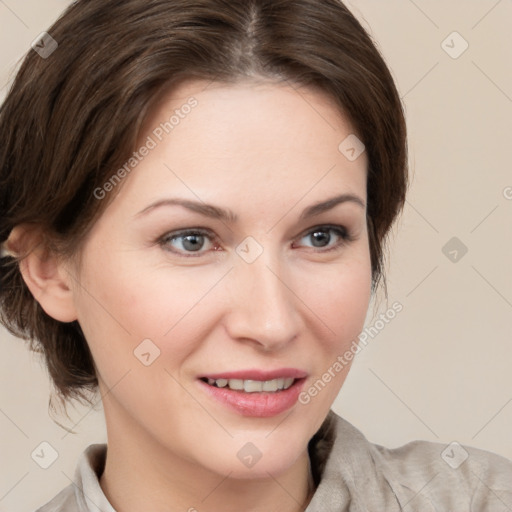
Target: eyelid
325, 227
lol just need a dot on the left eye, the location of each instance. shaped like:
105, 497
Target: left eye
322, 236
192, 241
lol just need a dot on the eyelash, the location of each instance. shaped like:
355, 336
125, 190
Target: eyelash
163, 241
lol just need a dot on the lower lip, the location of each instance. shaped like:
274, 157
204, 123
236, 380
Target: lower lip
261, 405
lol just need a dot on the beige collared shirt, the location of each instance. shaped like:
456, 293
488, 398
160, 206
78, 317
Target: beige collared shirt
354, 475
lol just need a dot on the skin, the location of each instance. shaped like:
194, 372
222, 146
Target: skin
266, 151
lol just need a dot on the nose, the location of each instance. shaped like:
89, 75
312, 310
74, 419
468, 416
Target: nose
263, 308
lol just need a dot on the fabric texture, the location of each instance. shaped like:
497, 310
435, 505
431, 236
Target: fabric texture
353, 475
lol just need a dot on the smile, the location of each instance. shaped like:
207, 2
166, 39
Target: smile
252, 386
256, 393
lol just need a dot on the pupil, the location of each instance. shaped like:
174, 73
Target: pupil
321, 236
193, 242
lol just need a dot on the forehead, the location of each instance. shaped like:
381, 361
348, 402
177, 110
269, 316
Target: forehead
255, 140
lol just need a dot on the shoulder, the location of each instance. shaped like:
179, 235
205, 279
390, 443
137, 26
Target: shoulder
449, 473
65, 501
85, 493
420, 475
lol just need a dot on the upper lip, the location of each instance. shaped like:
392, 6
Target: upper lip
256, 374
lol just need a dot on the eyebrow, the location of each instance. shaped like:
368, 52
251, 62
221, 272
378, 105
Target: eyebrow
216, 212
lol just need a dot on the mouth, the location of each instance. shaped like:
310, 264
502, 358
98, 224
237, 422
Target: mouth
252, 386
255, 393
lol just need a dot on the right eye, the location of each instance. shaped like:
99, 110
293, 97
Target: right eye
187, 243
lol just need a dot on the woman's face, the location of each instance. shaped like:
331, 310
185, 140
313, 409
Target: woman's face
171, 295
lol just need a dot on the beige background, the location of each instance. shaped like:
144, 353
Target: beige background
441, 369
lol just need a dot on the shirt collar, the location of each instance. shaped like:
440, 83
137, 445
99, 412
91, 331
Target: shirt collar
88, 492
353, 476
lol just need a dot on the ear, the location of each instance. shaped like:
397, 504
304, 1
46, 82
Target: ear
43, 272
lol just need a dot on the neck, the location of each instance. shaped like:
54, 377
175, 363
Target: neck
131, 484
140, 474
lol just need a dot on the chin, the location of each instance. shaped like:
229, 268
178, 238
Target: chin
254, 455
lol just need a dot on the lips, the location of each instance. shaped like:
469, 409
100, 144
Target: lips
258, 393
261, 375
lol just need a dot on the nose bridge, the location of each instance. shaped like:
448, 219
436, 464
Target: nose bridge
263, 308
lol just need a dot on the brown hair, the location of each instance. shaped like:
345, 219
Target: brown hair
72, 118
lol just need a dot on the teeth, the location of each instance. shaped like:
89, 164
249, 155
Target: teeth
237, 384
270, 385
253, 386
221, 383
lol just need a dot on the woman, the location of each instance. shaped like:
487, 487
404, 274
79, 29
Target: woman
196, 233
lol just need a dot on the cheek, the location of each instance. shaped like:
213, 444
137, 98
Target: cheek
340, 296
341, 305
122, 304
